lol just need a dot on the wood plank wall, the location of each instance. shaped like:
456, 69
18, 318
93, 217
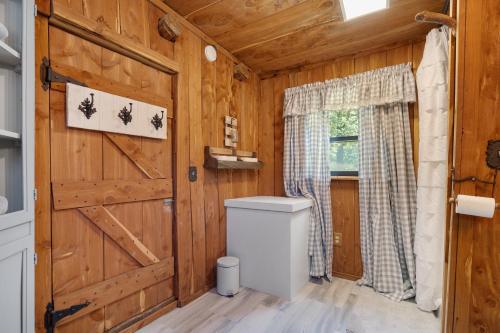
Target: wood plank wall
344, 192
475, 242
208, 92
203, 94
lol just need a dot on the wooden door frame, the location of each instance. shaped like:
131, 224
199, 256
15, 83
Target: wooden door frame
44, 203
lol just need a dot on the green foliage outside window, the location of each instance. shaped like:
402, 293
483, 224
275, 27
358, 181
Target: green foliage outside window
344, 132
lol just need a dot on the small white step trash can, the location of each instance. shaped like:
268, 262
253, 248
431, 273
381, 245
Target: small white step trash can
228, 276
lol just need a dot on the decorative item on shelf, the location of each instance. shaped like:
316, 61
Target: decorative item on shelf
157, 121
231, 132
224, 158
4, 205
126, 115
87, 106
4, 33
241, 72
169, 28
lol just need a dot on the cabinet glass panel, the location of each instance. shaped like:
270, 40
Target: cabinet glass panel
12, 149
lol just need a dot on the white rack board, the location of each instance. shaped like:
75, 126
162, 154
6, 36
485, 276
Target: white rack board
4, 134
9, 56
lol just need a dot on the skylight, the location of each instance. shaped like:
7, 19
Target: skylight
356, 8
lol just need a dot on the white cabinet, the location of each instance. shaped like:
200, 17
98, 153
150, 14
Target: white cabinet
269, 236
17, 80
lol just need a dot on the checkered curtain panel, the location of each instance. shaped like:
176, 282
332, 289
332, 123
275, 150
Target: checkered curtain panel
306, 173
306, 170
387, 200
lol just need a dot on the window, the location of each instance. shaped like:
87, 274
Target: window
356, 8
344, 143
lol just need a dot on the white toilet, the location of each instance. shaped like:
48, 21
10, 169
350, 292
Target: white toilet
269, 236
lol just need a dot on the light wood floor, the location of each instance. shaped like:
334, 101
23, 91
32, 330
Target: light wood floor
340, 306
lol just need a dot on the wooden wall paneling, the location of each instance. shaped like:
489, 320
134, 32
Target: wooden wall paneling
197, 158
183, 230
345, 210
478, 101
210, 137
134, 23
370, 62
43, 280
266, 137
223, 87
104, 12
281, 83
339, 68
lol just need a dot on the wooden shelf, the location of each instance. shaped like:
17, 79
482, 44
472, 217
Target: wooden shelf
213, 163
9, 56
8, 135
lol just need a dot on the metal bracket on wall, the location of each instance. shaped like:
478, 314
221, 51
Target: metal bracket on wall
48, 75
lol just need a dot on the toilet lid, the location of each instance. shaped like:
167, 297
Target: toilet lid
228, 262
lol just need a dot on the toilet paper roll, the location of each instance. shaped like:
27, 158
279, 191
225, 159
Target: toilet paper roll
475, 206
4, 205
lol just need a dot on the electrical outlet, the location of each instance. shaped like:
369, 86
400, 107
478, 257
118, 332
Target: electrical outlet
337, 239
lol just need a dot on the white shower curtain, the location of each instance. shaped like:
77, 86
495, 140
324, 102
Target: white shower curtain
432, 86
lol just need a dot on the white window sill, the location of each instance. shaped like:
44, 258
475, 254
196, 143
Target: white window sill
352, 178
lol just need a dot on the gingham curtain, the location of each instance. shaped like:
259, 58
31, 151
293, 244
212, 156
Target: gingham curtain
306, 173
306, 161
387, 200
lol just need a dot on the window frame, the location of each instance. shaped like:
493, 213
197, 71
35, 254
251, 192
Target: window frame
334, 139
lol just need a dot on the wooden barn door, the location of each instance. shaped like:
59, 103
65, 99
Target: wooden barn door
112, 209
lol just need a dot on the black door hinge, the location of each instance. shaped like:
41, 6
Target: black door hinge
48, 75
52, 317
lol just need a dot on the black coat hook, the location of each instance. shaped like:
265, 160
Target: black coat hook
126, 115
87, 106
157, 121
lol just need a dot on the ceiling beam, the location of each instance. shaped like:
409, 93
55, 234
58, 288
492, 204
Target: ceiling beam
188, 25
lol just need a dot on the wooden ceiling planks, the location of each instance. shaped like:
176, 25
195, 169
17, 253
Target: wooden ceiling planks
275, 35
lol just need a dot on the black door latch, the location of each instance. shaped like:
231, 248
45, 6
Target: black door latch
52, 317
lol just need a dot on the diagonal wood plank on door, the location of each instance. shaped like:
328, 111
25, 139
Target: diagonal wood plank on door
133, 151
110, 225
106, 292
